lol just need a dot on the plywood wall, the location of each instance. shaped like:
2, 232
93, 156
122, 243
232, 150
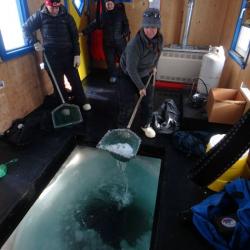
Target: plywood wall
22, 92
206, 26
134, 12
208, 22
172, 16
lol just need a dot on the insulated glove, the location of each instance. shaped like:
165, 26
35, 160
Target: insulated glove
142, 92
76, 62
82, 33
38, 46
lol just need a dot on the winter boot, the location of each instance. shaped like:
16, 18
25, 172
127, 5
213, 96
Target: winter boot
112, 79
149, 131
86, 107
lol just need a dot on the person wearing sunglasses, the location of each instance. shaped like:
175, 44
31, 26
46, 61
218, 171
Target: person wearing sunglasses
60, 43
114, 23
137, 63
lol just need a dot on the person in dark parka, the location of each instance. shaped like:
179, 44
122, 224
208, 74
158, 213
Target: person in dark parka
114, 23
137, 62
61, 45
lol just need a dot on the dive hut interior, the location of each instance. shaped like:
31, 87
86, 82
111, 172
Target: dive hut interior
24, 94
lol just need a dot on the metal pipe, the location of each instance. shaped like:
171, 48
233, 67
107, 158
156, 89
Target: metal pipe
187, 23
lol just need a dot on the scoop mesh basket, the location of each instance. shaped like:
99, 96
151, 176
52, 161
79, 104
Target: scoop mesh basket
120, 136
117, 141
66, 115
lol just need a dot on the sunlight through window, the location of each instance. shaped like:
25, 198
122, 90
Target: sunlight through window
79, 6
10, 25
243, 41
77, 3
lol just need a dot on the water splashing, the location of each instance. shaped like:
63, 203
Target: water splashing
125, 196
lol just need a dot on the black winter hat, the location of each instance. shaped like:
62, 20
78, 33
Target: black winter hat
151, 18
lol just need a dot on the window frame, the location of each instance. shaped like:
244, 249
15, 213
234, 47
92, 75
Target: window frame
232, 52
10, 54
81, 8
24, 14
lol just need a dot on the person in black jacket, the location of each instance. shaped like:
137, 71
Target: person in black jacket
114, 23
61, 45
138, 62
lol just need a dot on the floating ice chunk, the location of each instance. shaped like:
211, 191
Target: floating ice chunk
123, 149
79, 235
66, 112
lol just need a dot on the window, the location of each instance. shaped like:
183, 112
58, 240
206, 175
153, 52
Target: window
79, 6
13, 14
241, 42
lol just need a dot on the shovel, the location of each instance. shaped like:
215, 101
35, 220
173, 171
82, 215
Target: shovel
123, 144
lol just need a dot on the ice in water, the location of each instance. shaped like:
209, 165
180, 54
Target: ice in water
93, 203
123, 149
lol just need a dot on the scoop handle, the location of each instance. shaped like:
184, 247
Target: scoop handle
138, 103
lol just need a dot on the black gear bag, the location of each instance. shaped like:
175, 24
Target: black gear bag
166, 119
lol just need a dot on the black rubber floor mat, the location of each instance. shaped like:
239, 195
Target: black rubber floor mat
224, 154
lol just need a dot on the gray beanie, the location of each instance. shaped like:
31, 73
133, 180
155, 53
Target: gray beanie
151, 18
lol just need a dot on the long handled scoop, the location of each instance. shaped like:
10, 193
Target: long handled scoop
65, 114
123, 144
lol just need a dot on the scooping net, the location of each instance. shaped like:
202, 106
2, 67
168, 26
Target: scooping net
66, 115
122, 144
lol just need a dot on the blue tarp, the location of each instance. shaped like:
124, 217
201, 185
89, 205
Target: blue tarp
235, 196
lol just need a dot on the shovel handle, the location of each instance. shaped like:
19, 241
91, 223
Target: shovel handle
138, 102
52, 74
53, 77
11, 162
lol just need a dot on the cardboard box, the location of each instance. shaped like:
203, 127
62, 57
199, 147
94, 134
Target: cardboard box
245, 91
225, 105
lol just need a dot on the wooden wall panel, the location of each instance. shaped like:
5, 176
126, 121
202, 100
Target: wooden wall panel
172, 13
5, 119
34, 5
230, 22
22, 92
233, 75
207, 22
206, 26
134, 13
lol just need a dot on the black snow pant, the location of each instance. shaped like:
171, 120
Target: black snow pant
127, 91
61, 63
113, 54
